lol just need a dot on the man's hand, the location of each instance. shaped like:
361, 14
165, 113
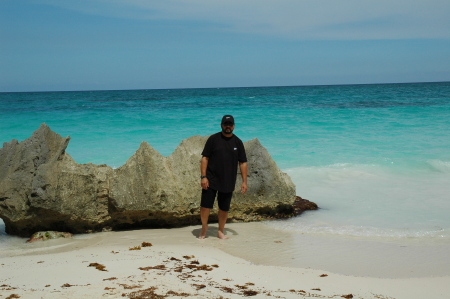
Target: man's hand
205, 183
243, 188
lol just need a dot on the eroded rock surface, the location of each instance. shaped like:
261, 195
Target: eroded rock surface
42, 188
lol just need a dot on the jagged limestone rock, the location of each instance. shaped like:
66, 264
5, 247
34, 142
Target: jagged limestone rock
43, 188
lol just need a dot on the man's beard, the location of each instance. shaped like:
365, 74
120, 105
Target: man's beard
227, 131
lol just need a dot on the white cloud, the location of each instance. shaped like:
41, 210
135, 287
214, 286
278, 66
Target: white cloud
297, 19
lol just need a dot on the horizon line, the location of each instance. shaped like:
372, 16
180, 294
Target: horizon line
227, 87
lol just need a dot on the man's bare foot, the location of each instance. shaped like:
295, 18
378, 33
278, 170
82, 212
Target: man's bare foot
221, 235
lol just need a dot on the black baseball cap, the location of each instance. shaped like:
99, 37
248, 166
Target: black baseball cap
227, 119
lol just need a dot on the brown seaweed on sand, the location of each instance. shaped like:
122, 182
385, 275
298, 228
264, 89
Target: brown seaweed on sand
199, 268
173, 293
150, 294
158, 267
6, 287
250, 293
128, 287
227, 289
111, 278
98, 266
245, 290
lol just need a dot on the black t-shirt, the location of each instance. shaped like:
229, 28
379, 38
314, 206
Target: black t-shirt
224, 153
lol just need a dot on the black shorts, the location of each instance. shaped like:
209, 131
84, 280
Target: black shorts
223, 199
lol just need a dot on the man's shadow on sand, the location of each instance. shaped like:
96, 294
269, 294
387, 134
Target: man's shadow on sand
212, 232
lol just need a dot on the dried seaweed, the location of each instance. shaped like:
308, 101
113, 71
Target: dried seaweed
227, 289
98, 266
158, 267
111, 278
250, 293
145, 294
128, 287
173, 293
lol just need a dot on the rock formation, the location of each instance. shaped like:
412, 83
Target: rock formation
42, 188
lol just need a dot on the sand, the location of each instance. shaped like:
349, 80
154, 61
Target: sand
173, 263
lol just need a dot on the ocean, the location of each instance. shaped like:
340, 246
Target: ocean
375, 158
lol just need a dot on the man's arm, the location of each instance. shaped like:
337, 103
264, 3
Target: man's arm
243, 167
203, 167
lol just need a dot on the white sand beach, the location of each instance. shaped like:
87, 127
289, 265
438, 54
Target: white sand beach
178, 265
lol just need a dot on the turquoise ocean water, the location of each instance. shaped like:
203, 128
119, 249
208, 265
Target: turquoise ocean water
375, 158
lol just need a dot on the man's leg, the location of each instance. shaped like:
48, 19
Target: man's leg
224, 200
204, 215
223, 216
207, 203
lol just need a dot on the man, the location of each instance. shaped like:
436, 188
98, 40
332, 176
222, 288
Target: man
220, 157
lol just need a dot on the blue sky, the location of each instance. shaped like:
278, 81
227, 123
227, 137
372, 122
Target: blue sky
48, 45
